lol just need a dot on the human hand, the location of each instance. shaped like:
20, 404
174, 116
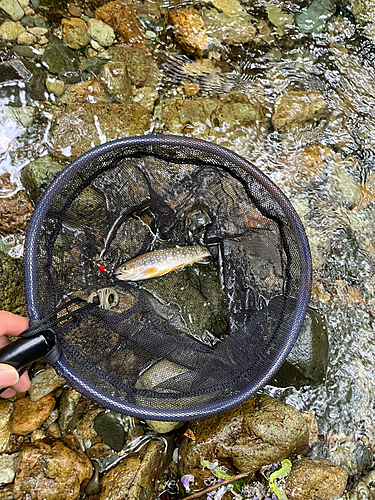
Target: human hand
13, 325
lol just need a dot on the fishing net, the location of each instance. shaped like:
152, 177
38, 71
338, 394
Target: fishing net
191, 343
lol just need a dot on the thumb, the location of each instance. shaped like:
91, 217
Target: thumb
8, 375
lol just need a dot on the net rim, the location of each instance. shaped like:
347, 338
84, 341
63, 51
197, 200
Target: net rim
30, 278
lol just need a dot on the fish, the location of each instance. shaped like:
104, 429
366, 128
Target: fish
160, 262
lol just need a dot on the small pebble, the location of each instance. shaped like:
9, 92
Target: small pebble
54, 430
37, 434
55, 86
43, 40
13, 9
38, 31
10, 30
26, 38
74, 10
190, 88
29, 11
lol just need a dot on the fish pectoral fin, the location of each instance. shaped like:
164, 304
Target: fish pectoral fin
151, 272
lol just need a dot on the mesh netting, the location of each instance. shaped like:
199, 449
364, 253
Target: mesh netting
195, 341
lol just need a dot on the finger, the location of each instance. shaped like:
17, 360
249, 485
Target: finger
9, 393
23, 383
8, 375
12, 324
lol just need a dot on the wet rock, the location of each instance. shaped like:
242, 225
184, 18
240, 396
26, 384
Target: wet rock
53, 430
260, 431
85, 430
60, 60
280, 19
13, 9
305, 167
345, 451
117, 82
69, 407
29, 415
161, 427
43, 383
53, 471
232, 30
217, 117
101, 32
109, 427
12, 297
146, 97
90, 91
122, 17
229, 7
6, 492
93, 486
308, 360
26, 38
14, 115
316, 479
55, 86
8, 467
38, 174
92, 65
314, 18
81, 126
11, 30
142, 69
135, 476
364, 11
75, 32
189, 30
15, 212
296, 109
6, 410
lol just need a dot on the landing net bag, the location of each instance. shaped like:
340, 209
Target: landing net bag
191, 343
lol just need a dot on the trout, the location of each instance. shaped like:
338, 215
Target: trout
159, 262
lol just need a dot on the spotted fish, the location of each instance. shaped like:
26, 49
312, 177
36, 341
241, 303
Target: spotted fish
159, 262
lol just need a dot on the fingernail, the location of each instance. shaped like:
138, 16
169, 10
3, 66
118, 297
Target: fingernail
10, 373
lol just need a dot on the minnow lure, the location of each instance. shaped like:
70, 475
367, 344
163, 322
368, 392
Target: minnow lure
159, 262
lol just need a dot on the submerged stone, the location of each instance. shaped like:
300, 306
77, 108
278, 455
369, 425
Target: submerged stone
75, 32
80, 127
141, 67
178, 297
308, 360
229, 29
38, 174
189, 30
60, 60
294, 110
218, 117
122, 17
313, 19
117, 82
108, 426
12, 297
13, 9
